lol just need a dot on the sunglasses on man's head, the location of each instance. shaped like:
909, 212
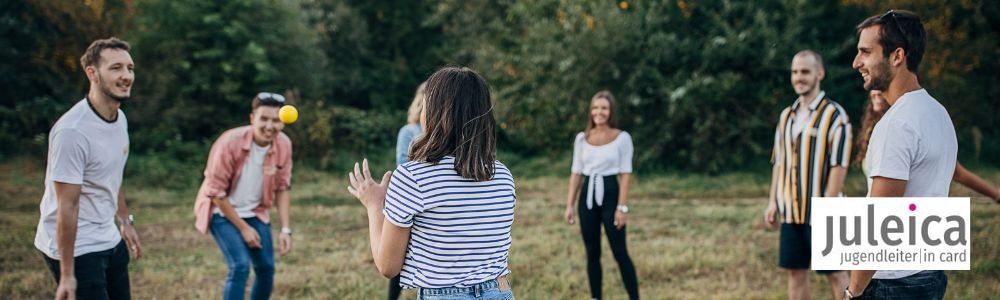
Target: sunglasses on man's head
271, 97
892, 13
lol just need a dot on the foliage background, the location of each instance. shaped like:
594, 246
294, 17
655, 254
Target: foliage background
699, 83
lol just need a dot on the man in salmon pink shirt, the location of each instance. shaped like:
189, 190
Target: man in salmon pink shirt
249, 169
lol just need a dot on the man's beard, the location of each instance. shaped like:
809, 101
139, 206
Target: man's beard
106, 90
881, 81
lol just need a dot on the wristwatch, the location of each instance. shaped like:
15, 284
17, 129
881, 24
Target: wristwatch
128, 221
623, 208
848, 295
286, 230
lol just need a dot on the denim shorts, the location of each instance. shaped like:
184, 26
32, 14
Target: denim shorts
488, 290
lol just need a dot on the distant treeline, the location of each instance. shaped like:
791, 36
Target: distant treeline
699, 83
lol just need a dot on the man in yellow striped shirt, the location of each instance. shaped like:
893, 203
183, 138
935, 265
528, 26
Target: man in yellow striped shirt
812, 145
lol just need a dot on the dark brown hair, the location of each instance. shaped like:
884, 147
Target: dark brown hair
458, 115
92, 57
899, 29
604, 94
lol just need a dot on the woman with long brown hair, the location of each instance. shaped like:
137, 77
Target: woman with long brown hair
443, 221
602, 166
877, 106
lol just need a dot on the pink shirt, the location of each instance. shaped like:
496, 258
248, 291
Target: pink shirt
225, 162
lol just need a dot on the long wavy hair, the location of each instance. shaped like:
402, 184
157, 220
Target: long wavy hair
458, 114
868, 121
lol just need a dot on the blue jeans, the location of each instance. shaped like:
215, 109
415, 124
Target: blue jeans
489, 290
239, 256
924, 285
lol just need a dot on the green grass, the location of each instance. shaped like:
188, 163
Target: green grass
691, 237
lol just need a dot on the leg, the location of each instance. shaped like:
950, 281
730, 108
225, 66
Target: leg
617, 239
237, 256
838, 282
394, 288
590, 228
263, 262
798, 284
794, 258
117, 273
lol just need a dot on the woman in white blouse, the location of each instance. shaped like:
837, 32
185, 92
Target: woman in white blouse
602, 165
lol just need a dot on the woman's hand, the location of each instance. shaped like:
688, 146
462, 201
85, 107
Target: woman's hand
370, 193
620, 219
570, 215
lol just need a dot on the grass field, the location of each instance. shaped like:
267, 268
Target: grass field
691, 237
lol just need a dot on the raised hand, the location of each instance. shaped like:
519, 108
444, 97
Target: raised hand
363, 186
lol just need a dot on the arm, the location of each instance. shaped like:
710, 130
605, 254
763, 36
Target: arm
574, 186
835, 183
68, 196
128, 230
388, 241
976, 183
621, 218
772, 205
881, 187
285, 237
250, 235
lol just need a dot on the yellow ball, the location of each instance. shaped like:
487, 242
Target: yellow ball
288, 114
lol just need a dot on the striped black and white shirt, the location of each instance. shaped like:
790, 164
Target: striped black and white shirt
804, 157
459, 228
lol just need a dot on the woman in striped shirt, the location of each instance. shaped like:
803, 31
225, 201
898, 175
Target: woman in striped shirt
602, 164
442, 221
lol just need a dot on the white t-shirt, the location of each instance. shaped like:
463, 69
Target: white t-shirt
915, 141
249, 188
88, 151
608, 159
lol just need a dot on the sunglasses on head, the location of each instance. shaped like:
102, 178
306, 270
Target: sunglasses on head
271, 97
892, 14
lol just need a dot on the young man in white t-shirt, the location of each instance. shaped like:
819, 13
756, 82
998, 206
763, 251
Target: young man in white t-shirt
88, 147
913, 149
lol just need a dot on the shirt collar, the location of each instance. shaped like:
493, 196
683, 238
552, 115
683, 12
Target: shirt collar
812, 105
247, 140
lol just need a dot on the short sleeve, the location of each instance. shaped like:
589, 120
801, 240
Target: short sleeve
404, 199
625, 153
68, 156
892, 150
577, 167
776, 148
840, 142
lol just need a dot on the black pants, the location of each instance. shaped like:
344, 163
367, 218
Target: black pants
394, 288
590, 226
99, 275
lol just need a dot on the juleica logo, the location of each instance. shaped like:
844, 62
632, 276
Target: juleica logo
890, 233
